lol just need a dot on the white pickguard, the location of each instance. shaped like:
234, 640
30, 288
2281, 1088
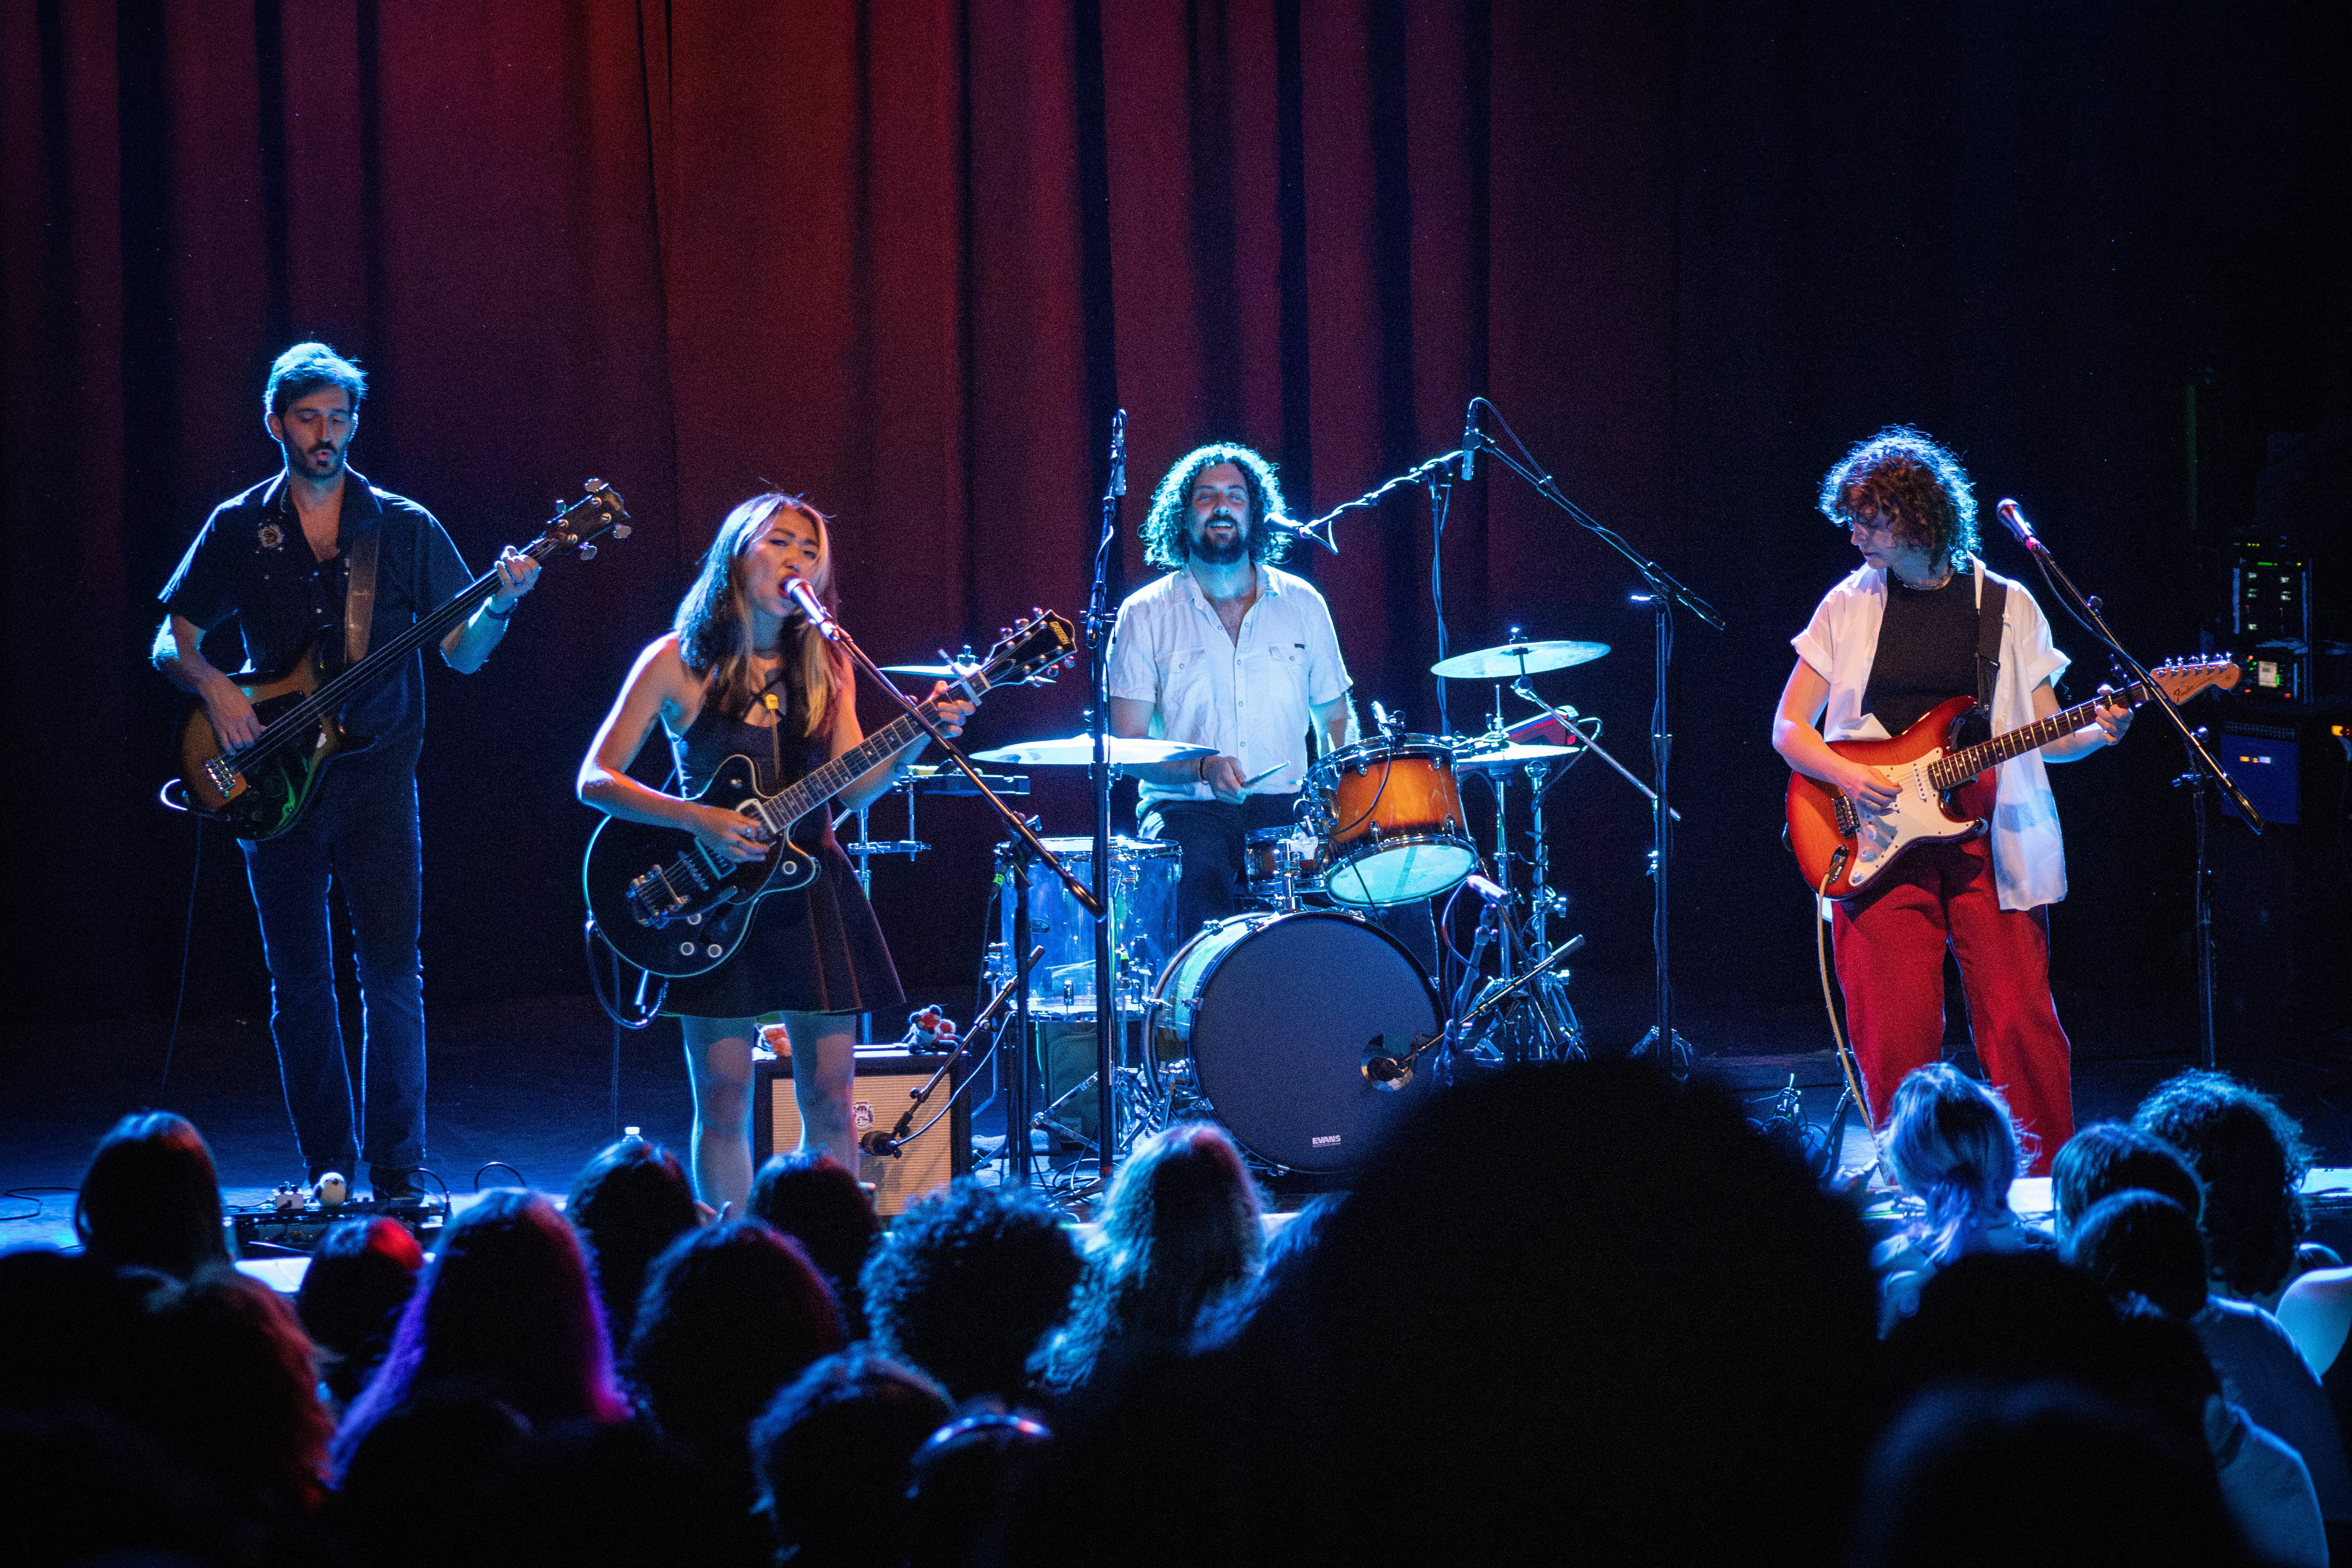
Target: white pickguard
1917, 816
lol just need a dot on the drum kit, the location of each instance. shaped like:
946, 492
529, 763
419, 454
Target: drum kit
1304, 1024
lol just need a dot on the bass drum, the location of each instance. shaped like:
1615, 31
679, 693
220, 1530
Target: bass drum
1276, 1014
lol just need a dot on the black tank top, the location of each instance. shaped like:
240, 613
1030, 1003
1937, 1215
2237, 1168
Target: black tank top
779, 751
1926, 652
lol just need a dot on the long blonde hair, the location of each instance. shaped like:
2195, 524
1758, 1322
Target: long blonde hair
713, 622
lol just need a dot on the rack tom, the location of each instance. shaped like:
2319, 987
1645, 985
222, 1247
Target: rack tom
1389, 814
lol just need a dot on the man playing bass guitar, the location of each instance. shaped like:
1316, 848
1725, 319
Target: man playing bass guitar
318, 547
1922, 621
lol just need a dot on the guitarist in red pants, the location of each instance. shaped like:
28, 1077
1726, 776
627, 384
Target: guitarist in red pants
286, 560
1921, 621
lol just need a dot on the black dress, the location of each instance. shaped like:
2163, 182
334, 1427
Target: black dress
814, 951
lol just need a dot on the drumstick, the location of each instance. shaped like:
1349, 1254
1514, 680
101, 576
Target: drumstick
1261, 778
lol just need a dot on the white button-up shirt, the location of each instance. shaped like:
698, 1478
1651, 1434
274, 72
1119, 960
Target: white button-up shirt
2029, 857
1252, 697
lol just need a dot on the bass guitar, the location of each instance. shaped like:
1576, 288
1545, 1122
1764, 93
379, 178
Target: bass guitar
1945, 788
262, 788
672, 905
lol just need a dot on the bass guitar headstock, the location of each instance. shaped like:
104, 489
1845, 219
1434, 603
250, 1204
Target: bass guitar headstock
598, 512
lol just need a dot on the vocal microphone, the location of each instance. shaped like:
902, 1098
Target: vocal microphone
798, 590
880, 1144
1470, 441
1118, 452
2010, 515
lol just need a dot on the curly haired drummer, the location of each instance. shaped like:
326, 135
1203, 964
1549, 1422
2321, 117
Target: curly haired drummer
1230, 651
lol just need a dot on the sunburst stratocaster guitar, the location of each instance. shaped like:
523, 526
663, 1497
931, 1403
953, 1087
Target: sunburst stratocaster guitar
262, 788
670, 904
1945, 790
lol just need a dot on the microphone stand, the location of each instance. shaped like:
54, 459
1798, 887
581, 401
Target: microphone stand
1017, 1135
1099, 629
1665, 593
2203, 770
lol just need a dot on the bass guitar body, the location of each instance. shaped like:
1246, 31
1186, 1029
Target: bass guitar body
261, 797
669, 903
1828, 838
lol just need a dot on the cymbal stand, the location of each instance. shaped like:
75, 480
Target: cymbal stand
1665, 593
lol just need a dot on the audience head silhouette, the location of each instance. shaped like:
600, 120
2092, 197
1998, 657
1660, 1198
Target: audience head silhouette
2251, 1158
973, 1280
151, 1197
628, 1203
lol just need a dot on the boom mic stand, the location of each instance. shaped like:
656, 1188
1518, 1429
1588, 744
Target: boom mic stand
1665, 593
1017, 1114
2203, 770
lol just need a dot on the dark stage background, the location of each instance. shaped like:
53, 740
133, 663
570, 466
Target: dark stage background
907, 257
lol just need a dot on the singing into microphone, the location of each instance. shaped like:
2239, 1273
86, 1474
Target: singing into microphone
797, 590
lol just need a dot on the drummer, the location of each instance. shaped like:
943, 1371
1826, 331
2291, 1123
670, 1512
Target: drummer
1227, 650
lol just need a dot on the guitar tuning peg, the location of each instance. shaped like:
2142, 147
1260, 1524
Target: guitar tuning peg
587, 552
620, 531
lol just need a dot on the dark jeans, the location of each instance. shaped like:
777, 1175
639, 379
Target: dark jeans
360, 833
1209, 836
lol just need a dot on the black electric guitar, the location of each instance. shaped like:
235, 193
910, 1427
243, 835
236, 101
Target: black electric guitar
262, 788
671, 904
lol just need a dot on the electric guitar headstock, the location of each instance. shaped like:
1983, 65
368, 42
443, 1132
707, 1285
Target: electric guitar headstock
1027, 653
2182, 679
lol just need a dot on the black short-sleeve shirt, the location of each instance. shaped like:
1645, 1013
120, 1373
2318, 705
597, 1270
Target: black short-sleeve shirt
250, 562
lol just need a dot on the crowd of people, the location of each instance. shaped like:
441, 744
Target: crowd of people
1644, 1332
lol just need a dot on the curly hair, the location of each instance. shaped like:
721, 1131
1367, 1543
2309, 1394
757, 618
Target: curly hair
1918, 487
2252, 1157
1165, 544
973, 1280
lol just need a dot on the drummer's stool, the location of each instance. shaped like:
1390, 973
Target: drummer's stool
886, 1076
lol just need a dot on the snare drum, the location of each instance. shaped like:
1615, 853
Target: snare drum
1283, 863
1143, 924
1391, 817
1274, 1016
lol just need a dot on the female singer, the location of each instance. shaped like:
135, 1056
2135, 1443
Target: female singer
742, 673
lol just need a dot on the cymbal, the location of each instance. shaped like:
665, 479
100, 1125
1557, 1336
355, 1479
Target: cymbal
1499, 758
1512, 659
1078, 751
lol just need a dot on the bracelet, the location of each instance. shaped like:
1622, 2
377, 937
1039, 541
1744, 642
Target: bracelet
1200, 770
495, 615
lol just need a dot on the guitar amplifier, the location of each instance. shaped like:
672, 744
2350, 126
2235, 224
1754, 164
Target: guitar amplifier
888, 1078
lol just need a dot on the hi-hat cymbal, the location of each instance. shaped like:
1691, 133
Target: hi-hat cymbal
1512, 659
1078, 750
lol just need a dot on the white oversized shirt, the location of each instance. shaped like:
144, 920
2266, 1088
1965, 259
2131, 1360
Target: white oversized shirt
2028, 859
1252, 697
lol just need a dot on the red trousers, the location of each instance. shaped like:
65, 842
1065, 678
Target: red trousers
1890, 962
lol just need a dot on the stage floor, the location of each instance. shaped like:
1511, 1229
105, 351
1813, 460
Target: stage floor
537, 1085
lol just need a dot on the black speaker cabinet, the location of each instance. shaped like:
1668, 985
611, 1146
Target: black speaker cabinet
887, 1079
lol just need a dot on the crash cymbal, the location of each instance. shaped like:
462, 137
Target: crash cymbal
1078, 751
1512, 659
1497, 759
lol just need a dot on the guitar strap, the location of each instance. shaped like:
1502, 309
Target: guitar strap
1992, 596
358, 594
